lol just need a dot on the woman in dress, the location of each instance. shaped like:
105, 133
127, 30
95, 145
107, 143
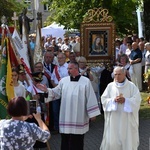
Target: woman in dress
15, 133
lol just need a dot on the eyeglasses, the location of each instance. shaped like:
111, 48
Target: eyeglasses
38, 66
22, 74
60, 57
82, 62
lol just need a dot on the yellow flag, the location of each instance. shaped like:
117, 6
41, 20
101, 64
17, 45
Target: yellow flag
9, 81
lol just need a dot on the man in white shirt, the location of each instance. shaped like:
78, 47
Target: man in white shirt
48, 43
66, 45
60, 71
141, 47
121, 102
76, 48
123, 46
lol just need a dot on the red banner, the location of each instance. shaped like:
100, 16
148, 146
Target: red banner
10, 28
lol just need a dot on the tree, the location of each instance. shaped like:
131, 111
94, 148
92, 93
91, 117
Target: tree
70, 13
124, 14
8, 7
147, 19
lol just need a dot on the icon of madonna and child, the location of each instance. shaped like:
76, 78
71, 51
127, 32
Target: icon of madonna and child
97, 47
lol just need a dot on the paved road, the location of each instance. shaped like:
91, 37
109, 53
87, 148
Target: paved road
94, 137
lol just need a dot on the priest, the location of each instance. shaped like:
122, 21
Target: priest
121, 102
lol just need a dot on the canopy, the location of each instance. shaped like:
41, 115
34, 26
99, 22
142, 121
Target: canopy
54, 29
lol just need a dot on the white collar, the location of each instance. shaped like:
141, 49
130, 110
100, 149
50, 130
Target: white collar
120, 84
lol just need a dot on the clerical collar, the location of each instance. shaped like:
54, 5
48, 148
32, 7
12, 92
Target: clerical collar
120, 84
76, 78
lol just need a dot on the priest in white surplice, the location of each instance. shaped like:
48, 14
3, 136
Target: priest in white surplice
121, 102
78, 105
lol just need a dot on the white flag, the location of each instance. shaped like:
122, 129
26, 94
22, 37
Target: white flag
25, 46
21, 47
38, 49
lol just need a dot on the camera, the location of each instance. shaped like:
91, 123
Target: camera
32, 104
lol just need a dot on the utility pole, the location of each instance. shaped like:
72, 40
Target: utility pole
35, 10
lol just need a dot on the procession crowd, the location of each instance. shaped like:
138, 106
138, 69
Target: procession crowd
71, 93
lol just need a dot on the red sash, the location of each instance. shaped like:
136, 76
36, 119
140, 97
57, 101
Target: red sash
35, 89
56, 73
47, 75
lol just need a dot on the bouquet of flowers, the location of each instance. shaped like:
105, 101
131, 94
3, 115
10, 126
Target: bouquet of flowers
148, 99
147, 76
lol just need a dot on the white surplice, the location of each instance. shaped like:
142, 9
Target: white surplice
78, 104
121, 120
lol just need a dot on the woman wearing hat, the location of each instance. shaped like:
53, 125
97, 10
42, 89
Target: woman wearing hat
23, 77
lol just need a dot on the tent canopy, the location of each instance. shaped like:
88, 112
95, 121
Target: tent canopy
54, 29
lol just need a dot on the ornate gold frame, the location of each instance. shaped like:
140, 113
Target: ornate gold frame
97, 24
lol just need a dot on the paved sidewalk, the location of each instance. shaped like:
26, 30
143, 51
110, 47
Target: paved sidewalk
93, 138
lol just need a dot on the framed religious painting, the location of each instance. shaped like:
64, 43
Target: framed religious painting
98, 38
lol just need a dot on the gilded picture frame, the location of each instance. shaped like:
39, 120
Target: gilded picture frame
98, 38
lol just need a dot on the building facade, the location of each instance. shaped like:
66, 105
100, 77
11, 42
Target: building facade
35, 6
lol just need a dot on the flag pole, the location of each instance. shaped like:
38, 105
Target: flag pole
38, 44
39, 18
13, 45
28, 47
4, 26
36, 8
3, 21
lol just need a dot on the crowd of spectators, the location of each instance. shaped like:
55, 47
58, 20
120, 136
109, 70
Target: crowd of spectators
132, 53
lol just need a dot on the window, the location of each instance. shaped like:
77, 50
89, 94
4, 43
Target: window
46, 7
28, 3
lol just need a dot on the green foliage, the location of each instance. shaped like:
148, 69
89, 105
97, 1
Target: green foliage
8, 7
70, 12
145, 107
147, 19
124, 14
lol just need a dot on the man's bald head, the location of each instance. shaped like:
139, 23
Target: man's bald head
134, 45
119, 74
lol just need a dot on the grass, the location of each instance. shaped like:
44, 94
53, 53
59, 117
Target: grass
145, 107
